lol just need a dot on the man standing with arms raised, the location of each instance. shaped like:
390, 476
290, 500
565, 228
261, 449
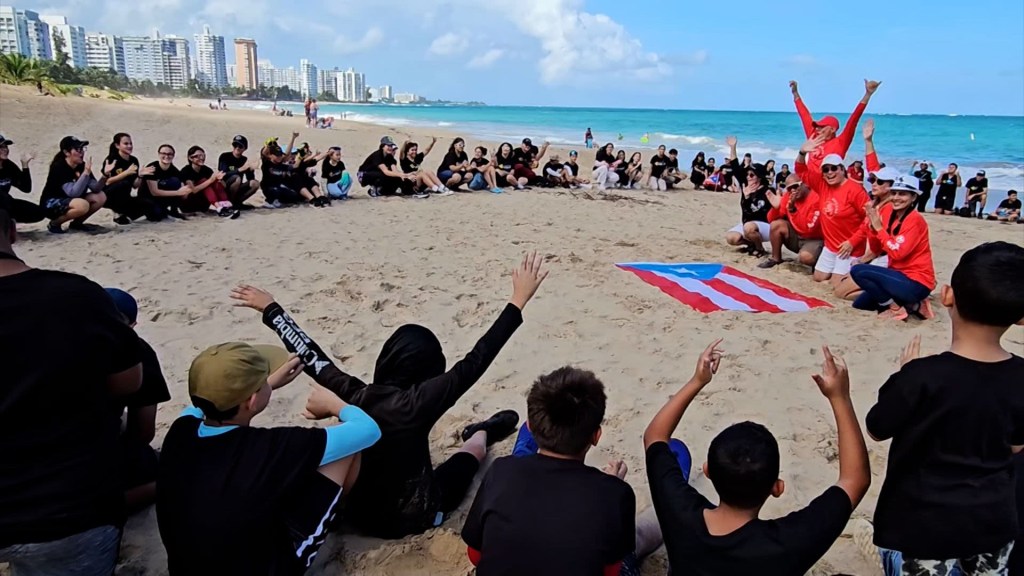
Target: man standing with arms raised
827, 128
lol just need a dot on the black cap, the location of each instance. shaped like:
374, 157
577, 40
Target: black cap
4, 141
981, 172
387, 141
69, 143
527, 141
240, 141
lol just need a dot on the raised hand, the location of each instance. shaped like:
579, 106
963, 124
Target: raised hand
812, 144
288, 372
869, 130
730, 141
526, 279
912, 351
26, 158
774, 199
108, 167
322, 403
147, 171
295, 135
873, 217
871, 85
793, 88
88, 164
251, 297
834, 380
707, 364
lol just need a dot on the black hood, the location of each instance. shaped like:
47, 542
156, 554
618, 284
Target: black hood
411, 355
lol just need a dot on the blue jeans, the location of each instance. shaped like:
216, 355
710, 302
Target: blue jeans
884, 285
478, 182
339, 189
90, 553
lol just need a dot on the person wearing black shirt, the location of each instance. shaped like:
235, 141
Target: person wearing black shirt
621, 167
543, 511
68, 355
11, 176
698, 171
572, 171
337, 181
164, 185
123, 178
926, 180
743, 465
554, 172
285, 180
454, 168
239, 174
207, 187
71, 192
672, 175
1009, 209
605, 164
753, 229
659, 162
634, 171
945, 198
955, 420
381, 174
399, 492
481, 171
411, 161
782, 176
504, 167
526, 158
977, 193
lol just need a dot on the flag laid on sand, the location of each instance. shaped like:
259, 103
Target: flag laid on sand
714, 287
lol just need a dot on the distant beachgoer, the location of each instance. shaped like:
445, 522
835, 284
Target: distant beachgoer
769, 168
740, 172
307, 108
604, 167
164, 185
782, 176
977, 194
381, 174
588, 139
337, 181
411, 161
504, 167
1009, 209
753, 230
207, 187
833, 142
924, 174
634, 171
659, 163
645, 139
672, 174
11, 176
554, 172
454, 168
698, 171
945, 198
284, 182
71, 192
714, 181
239, 173
314, 111
855, 171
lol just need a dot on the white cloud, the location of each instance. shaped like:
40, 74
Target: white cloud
487, 59
804, 60
448, 44
372, 37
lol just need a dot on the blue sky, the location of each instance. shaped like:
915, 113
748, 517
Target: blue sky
933, 57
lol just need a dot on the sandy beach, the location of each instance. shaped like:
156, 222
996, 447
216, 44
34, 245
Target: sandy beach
351, 273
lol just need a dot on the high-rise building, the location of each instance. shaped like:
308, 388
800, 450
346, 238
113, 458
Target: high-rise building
406, 98
308, 80
37, 34
246, 64
279, 77
176, 60
329, 82
104, 51
232, 76
211, 68
386, 92
353, 86
159, 60
13, 36
74, 39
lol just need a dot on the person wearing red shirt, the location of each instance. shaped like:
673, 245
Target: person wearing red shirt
856, 171
834, 142
902, 288
795, 220
842, 211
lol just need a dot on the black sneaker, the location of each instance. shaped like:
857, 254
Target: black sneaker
55, 228
373, 192
768, 263
498, 427
225, 212
176, 214
83, 227
122, 220
235, 214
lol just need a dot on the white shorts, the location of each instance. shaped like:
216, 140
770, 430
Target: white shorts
763, 227
830, 263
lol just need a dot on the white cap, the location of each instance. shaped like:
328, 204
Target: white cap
887, 173
832, 160
907, 184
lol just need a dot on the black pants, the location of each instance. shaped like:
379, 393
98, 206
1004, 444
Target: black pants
23, 211
923, 198
387, 185
121, 201
453, 478
282, 193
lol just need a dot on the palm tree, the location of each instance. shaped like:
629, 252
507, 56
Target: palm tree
19, 70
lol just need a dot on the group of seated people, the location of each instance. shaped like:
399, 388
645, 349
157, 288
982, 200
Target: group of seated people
235, 498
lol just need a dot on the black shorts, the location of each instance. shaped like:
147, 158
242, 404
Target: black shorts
945, 200
453, 478
309, 513
56, 207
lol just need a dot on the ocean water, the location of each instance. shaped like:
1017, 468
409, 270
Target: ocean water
992, 143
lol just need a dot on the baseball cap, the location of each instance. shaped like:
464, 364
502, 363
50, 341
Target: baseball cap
227, 374
981, 172
573, 153
69, 143
887, 173
240, 141
832, 160
907, 184
527, 141
831, 121
387, 141
4, 141
125, 304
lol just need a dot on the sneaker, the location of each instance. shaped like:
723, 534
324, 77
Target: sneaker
235, 214
924, 310
498, 427
55, 228
177, 214
421, 195
981, 216
122, 220
769, 263
445, 192
224, 212
83, 227
898, 314
496, 190
373, 192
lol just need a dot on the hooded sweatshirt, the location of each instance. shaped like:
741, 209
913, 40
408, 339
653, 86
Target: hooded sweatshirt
395, 494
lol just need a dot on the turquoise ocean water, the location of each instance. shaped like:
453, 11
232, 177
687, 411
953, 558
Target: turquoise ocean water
992, 143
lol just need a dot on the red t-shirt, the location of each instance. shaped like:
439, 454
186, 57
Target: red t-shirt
806, 219
842, 209
838, 145
907, 243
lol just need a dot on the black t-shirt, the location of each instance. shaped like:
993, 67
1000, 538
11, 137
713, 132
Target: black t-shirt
784, 546
222, 497
948, 490
190, 174
453, 158
476, 163
505, 163
59, 175
976, 185
699, 166
658, 165
573, 167
755, 206
524, 157
947, 184
780, 178
154, 387
229, 164
925, 179
276, 174
120, 165
409, 166
553, 165
332, 172
1010, 204
11, 175
61, 338
166, 178
673, 164
544, 516
603, 156
373, 161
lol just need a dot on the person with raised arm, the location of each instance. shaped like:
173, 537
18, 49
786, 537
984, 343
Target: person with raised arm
125, 175
703, 539
71, 192
11, 176
399, 491
826, 129
753, 229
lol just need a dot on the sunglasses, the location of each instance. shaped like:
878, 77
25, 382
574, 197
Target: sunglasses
794, 186
828, 168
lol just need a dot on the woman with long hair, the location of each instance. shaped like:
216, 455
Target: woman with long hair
164, 186
634, 171
698, 171
206, 186
769, 168
381, 173
454, 169
504, 167
411, 161
13, 176
753, 230
125, 176
604, 167
71, 192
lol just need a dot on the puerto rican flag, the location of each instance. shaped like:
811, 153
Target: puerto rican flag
715, 287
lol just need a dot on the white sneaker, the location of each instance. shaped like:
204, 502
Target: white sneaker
445, 192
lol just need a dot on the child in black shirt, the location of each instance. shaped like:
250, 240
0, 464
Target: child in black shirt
743, 465
956, 420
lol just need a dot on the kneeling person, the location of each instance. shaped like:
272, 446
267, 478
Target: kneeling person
794, 219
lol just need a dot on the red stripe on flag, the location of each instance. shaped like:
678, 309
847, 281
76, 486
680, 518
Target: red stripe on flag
756, 304
783, 292
692, 299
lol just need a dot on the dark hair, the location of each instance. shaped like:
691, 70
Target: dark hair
193, 150
621, 152
502, 145
454, 142
406, 146
987, 284
607, 145
565, 408
211, 412
673, 151
482, 150
786, 166
634, 155
116, 141
162, 146
1011, 193
954, 164
743, 464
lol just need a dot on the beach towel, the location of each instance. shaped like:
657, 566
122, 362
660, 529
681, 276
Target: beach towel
716, 287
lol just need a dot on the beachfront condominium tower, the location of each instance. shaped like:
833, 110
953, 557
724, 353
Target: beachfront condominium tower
386, 92
73, 38
247, 74
159, 60
23, 32
104, 51
353, 86
308, 80
211, 66
329, 82
279, 77
13, 38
